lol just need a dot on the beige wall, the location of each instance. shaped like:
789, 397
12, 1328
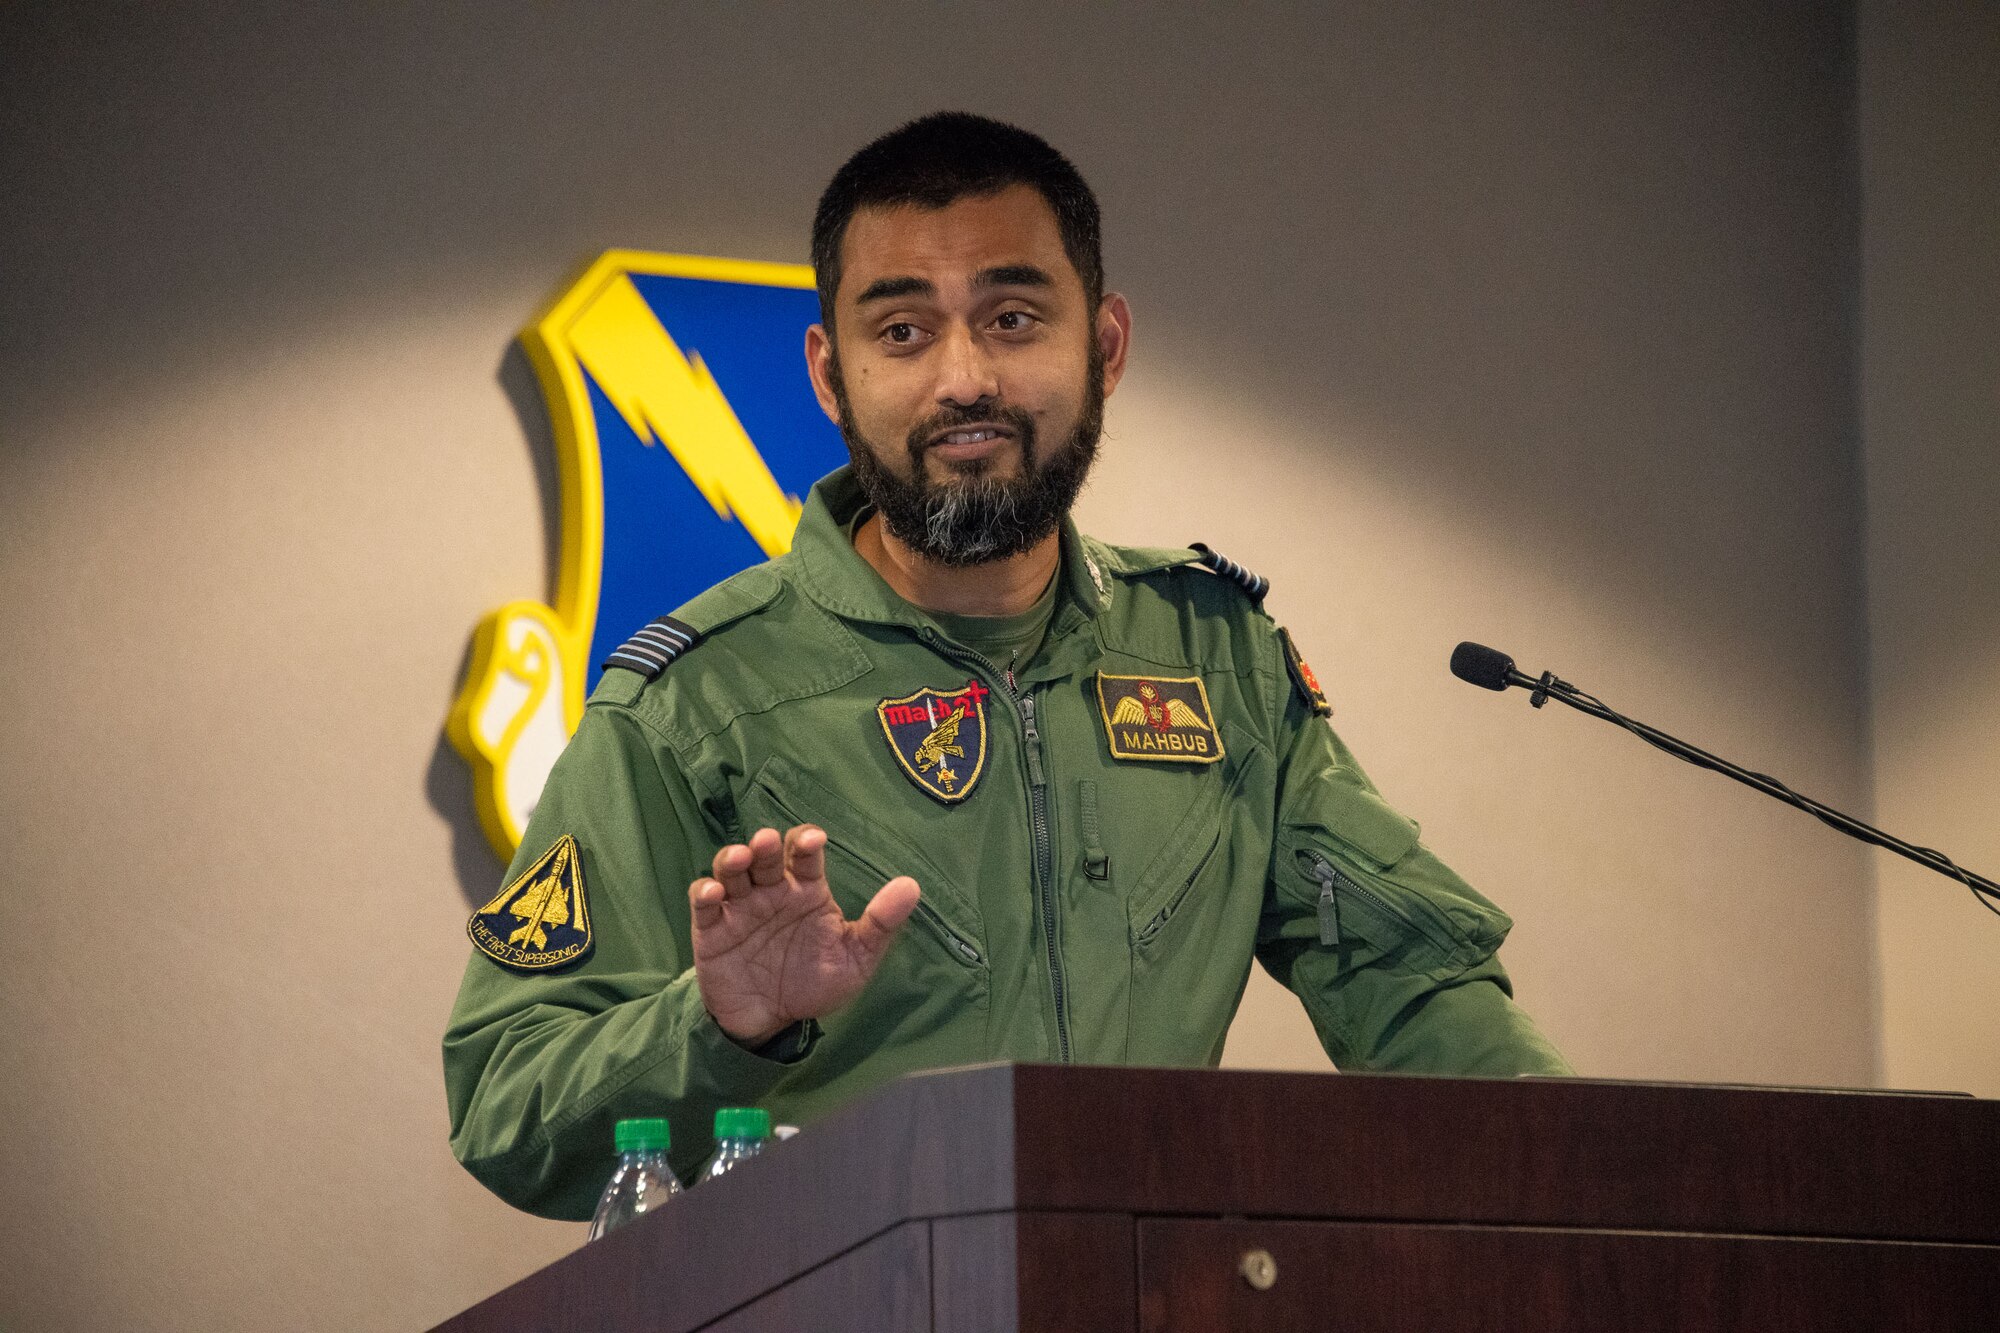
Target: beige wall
1528, 323
1930, 401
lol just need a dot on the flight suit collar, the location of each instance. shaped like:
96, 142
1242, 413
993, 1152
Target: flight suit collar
835, 575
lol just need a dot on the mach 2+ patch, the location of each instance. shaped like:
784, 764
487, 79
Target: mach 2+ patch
939, 738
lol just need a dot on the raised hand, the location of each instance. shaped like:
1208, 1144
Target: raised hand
770, 944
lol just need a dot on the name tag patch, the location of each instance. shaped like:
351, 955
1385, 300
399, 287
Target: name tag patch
1161, 718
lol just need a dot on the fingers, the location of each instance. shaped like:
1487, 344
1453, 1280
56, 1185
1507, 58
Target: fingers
731, 866
705, 903
805, 853
762, 863
759, 864
885, 914
767, 858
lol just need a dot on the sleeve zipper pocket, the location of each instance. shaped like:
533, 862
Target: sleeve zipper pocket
1320, 869
1333, 881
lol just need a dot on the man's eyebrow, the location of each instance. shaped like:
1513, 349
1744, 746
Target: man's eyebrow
1013, 275
883, 289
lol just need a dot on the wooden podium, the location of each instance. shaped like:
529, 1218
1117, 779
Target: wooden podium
1142, 1200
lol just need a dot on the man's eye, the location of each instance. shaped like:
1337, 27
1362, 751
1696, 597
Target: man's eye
1013, 321
900, 333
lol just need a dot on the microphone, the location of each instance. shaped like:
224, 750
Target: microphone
1488, 668
1491, 669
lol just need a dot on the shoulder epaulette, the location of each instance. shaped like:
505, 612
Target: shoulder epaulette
653, 649
1254, 585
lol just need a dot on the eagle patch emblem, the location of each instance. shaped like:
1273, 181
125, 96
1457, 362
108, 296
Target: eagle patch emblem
540, 921
1162, 718
939, 738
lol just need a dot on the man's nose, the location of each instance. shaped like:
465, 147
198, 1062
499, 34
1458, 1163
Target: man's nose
965, 371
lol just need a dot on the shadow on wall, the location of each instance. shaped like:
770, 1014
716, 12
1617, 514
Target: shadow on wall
516, 377
448, 779
448, 787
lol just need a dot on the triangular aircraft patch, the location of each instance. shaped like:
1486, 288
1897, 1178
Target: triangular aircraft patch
540, 921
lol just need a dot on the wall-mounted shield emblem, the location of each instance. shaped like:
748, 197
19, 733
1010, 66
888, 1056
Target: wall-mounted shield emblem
686, 432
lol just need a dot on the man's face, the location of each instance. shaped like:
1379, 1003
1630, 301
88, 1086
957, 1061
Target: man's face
967, 372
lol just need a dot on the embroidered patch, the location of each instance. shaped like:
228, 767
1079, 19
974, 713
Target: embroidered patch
540, 921
1303, 677
939, 738
1158, 717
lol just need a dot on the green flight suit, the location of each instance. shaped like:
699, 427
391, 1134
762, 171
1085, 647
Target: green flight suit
1076, 905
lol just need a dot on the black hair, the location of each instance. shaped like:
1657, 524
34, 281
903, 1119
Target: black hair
944, 157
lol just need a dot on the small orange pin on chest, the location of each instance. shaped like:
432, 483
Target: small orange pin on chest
1164, 719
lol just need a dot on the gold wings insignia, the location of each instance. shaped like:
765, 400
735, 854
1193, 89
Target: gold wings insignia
1129, 710
1180, 715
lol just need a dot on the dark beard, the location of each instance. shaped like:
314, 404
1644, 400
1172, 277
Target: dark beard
974, 518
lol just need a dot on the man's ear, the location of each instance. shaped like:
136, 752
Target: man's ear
819, 368
1114, 337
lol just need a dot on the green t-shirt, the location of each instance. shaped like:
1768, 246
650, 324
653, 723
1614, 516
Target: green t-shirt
1009, 642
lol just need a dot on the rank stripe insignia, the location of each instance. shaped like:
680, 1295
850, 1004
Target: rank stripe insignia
541, 921
1302, 675
1163, 719
654, 648
1254, 585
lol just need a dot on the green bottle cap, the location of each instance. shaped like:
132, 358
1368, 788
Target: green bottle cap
642, 1136
742, 1122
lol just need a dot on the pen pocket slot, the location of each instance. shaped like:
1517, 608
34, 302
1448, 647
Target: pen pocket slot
1096, 861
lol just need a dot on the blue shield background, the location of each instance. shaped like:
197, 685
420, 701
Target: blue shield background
664, 543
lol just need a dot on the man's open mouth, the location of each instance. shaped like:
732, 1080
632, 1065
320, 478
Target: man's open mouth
970, 435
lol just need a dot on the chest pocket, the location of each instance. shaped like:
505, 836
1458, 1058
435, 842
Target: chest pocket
862, 855
1172, 879
1375, 890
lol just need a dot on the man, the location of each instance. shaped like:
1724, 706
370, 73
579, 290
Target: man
948, 782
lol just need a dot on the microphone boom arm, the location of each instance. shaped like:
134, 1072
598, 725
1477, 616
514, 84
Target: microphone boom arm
1547, 686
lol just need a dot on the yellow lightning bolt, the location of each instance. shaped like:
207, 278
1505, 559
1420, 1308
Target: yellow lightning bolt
670, 398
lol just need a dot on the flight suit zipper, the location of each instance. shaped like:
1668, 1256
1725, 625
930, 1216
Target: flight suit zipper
1038, 816
1038, 821
958, 943
1160, 918
1328, 877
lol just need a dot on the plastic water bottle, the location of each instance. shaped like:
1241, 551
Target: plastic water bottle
643, 1180
740, 1134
